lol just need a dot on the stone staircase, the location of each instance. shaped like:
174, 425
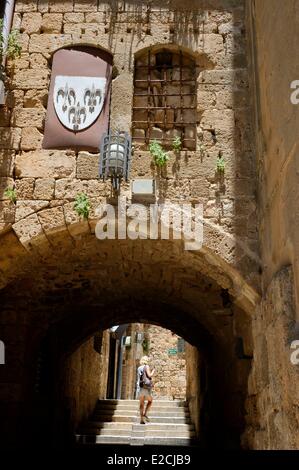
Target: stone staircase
118, 422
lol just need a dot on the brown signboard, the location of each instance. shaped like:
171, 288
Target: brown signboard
79, 99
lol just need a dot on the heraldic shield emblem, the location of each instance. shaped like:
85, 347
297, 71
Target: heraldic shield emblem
78, 101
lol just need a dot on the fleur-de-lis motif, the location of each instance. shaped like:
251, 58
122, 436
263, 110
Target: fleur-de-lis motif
68, 95
75, 114
91, 96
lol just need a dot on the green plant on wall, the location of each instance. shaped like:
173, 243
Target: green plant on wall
202, 149
82, 206
11, 194
13, 49
177, 144
220, 166
158, 153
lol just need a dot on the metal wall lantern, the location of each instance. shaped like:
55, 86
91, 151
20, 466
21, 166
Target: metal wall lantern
115, 157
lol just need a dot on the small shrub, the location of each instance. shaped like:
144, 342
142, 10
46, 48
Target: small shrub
82, 206
177, 144
13, 49
11, 194
159, 155
220, 167
202, 148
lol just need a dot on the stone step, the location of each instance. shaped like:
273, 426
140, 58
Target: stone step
168, 441
106, 425
106, 431
117, 439
180, 434
169, 426
133, 419
172, 403
135, 408
97, 426
98, 439
103, 413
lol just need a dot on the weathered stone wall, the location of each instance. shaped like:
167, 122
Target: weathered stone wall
274, 382
47, 181
194, 388
59, 274
83, 376
170, 370
272, 404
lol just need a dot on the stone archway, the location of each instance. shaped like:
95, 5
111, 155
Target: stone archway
62, 279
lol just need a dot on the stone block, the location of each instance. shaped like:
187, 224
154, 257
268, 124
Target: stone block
48, 43
46, 164
87, 165
85, 5
20, 63
10, 138
60, 6
43, 6
25, 208
26, 6
37, 61
31, 79
52, 23
29, 229
68, 189
75, 18
7, 212
31, 138
52, 220
24, 188
14, 99
23, 42
6, 162
17, 20
34, 116
44, 188
36, 98
31, 23
5, 114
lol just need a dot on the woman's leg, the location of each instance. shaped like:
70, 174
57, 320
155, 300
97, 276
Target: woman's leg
148, 405
141, 407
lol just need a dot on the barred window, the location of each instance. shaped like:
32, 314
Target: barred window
164, 105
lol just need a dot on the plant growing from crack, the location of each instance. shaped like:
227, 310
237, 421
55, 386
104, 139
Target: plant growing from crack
11, 194
202, 149
158, 153
177, 144
220, 166
12, 50
82, 205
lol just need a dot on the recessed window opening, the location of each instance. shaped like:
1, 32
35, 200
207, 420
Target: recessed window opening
164, 105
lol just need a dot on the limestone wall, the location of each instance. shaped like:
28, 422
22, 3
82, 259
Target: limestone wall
47, 182
170, 369
274, 382
84, 378
194, 388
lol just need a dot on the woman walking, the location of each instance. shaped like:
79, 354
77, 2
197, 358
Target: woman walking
144, 386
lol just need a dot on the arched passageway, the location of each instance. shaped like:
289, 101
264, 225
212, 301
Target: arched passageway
65, 296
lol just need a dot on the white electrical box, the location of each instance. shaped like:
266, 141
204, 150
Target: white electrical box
143, 190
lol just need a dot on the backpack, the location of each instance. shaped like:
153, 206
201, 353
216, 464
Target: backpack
144, 380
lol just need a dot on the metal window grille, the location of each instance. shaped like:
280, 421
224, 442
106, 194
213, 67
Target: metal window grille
165, 99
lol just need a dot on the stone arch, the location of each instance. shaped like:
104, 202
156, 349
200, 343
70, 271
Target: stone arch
81, 284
